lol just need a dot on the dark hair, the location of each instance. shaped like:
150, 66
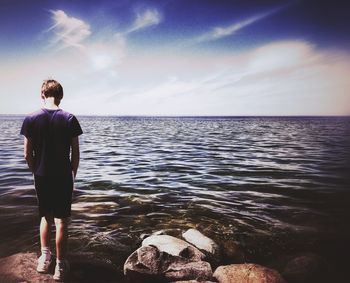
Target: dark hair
52, 88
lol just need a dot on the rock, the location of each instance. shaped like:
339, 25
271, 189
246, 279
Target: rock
247, 273
148, 264
199, 270
306, 268
144, 264
203, 243
21, 267
174, 246
193, 281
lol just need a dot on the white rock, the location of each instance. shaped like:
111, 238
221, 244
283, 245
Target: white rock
201, 241
174, 246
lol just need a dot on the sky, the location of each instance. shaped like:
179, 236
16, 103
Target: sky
177, 57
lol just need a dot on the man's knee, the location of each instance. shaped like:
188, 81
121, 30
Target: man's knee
47, 219
61, 222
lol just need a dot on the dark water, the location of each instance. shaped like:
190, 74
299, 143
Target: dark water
275, 185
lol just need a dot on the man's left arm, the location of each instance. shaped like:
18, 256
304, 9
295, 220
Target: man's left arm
75, 157
29, 153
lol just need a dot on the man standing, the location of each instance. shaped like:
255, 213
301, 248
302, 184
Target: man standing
51, 149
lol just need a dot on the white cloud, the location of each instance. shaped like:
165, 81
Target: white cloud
146, 18
69, 31
221, 32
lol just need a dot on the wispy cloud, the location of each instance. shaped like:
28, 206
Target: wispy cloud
221, 32
69, 31
146, 18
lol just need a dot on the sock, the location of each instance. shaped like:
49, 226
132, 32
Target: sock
45, 251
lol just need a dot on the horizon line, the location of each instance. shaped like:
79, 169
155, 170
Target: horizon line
194, 116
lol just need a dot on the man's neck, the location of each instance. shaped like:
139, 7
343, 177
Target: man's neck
49, 103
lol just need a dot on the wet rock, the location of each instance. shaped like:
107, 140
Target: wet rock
174, 246
203, 243
247, 273
306, 268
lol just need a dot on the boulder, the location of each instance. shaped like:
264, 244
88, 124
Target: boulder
174, 246
306, 268
247, 273
148, 264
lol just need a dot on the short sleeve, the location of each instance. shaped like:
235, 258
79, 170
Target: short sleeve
74, 127
26, 129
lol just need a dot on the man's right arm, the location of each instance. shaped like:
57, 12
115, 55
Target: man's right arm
28, 153
75, 157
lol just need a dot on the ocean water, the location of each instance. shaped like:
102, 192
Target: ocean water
275, 185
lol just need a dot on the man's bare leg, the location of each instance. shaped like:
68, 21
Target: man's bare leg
45, 231
61, 237
44, 260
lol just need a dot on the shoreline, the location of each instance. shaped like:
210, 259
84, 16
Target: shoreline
299, 267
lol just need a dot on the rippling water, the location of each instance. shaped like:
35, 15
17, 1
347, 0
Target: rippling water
274, 185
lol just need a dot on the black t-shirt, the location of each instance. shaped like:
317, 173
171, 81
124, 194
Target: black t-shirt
51, 133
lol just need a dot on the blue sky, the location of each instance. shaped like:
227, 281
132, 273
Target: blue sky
177, 57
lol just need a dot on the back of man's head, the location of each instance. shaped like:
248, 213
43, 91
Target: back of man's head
52, 88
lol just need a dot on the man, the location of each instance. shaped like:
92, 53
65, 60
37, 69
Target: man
51, 149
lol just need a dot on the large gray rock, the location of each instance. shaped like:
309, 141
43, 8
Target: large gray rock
174, 246
203, 243
247, 273
148, 264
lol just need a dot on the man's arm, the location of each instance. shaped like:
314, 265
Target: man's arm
28, 153
75, 157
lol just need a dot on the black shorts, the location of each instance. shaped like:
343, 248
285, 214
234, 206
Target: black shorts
54, 195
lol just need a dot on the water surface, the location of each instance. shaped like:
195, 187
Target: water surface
274, 185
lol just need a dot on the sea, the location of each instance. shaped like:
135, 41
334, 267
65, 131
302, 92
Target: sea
275, 186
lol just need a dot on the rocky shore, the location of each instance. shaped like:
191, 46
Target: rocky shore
164, 258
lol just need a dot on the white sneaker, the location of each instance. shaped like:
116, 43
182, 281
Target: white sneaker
44, 263
61, 270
